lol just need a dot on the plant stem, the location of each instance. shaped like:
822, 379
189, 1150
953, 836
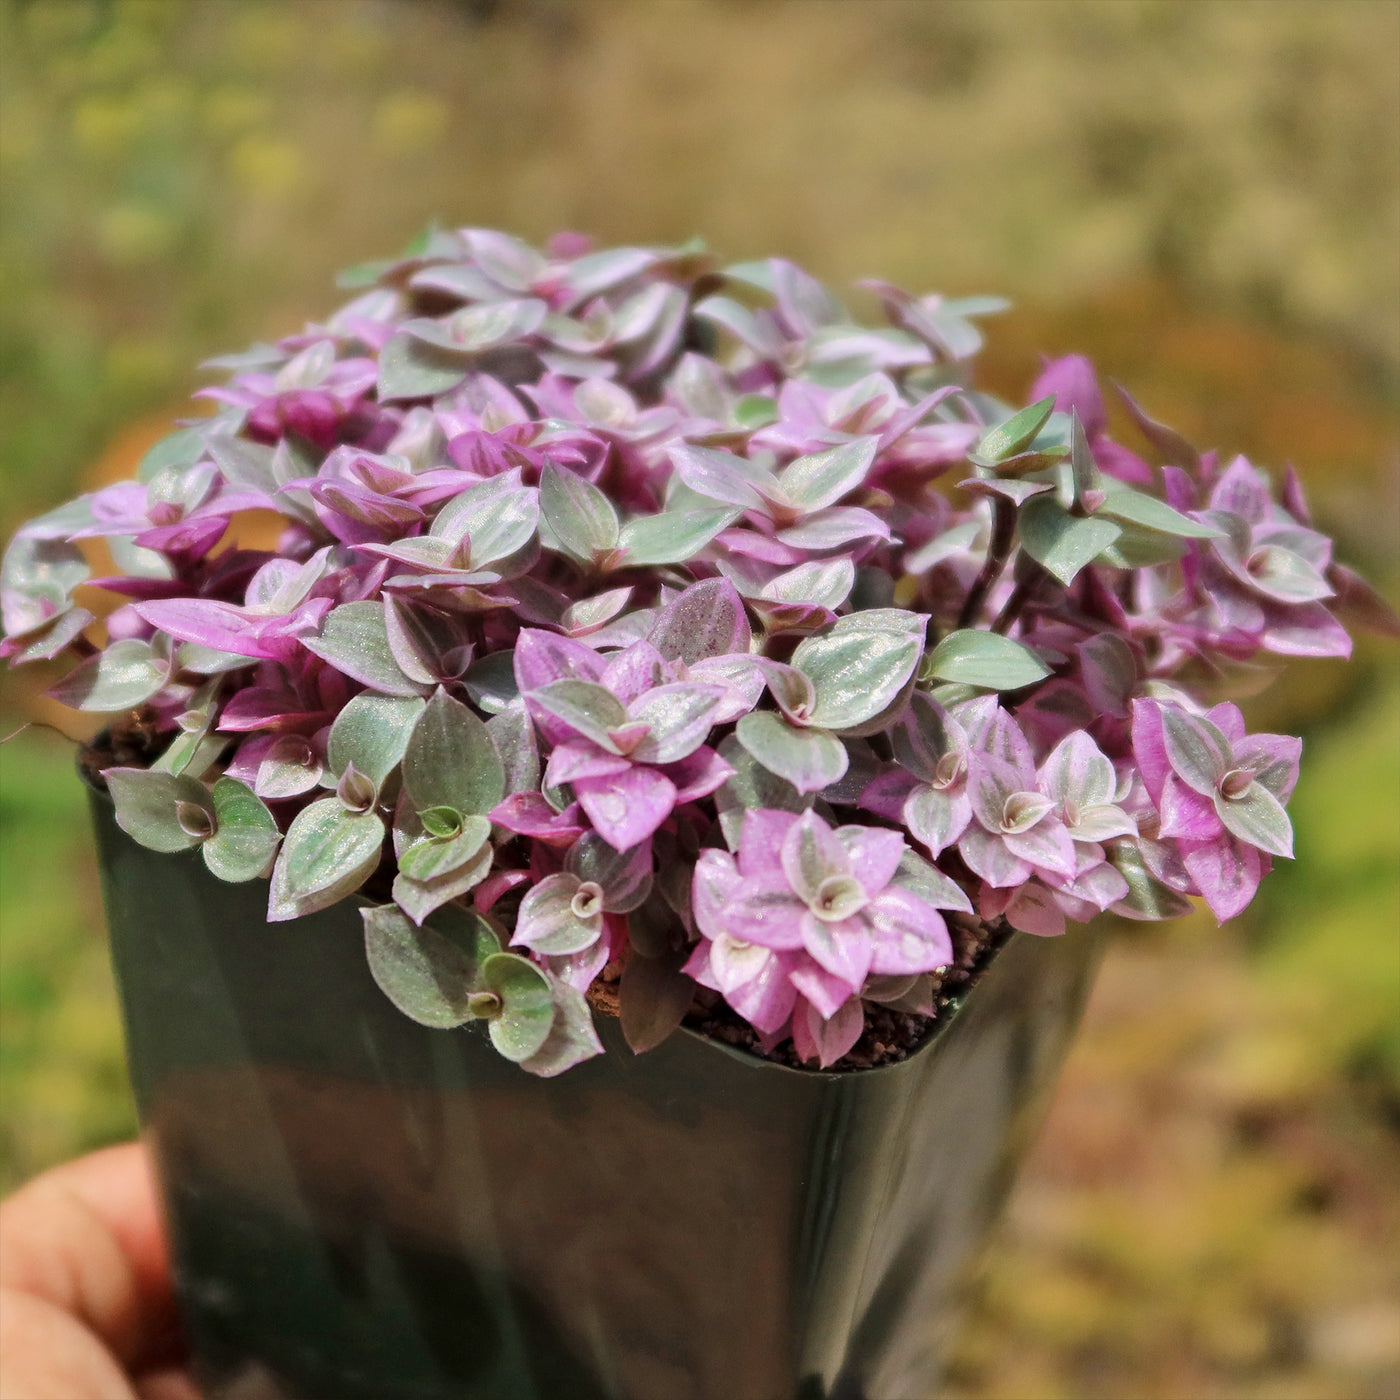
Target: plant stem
1003, 534
1020, 596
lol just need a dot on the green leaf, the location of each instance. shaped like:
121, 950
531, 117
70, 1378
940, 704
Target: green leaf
328, 852
580, 517
1016, 433
820, 479
432, 856
419, 898
527, 1005
512, 731
930, 884
372, 732
122, 677
752, 785
809, 759
673, 537
625, 877
428, 976
754, 411
985, 659
490, 682
1198, 752
195, 724
183, 448
572, 1038
355, 639
1257, 817
859, 668
1148, 897
1060, 542
246, 836
1123, 503
450, 760
585, 706
145, 806
1084, 469
410, 368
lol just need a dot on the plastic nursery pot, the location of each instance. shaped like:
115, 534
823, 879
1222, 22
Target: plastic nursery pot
362, 1208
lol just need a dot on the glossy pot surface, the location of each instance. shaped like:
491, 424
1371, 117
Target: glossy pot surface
365, 1209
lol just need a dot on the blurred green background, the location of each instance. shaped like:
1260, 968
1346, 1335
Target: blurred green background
1205, 196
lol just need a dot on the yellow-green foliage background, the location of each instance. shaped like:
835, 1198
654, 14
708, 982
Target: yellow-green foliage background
1204, 195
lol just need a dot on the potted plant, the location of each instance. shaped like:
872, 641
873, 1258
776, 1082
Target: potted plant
660, 677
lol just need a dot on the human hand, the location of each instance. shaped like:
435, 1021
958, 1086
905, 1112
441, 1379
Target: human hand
86, 1305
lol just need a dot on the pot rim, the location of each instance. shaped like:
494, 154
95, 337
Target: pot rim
947, 1015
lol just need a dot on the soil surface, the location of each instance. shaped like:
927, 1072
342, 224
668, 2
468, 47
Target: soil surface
130, 741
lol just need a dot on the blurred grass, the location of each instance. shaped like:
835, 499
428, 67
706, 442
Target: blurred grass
1206, 197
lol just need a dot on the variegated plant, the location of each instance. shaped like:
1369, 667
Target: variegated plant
634, 609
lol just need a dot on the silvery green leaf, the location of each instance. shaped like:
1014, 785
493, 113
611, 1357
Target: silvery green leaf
490, 682
961, 539
679, 718
355, 640
586, 707
145, 802
1257, 817
1148, 897
245, 836
195, 724
671, 537
209, 661
527, 1005
859, 668
579, 515
1084, 469
1062, 543
985, 659
372, 732
428, 976
1140, 548
476, 329
820, 479
752, 785
289, 768
243, 463
450, 760
572, 1038
496, 520
1016, 433
182, 448
809, 759
420, 898
625, 877
512, 731
50, 640
328, 851
1199, 753
1123, 503
754, 411
431, 856
930, 884
547, 922
824, 583
589, 614
124, 676
410, 368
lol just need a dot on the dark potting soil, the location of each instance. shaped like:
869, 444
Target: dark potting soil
130, 741
889, 1035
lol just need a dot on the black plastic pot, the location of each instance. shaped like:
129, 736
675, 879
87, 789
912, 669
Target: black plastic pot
365, 1209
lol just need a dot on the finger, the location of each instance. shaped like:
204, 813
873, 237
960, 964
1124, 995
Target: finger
47, 1354
86, 1238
